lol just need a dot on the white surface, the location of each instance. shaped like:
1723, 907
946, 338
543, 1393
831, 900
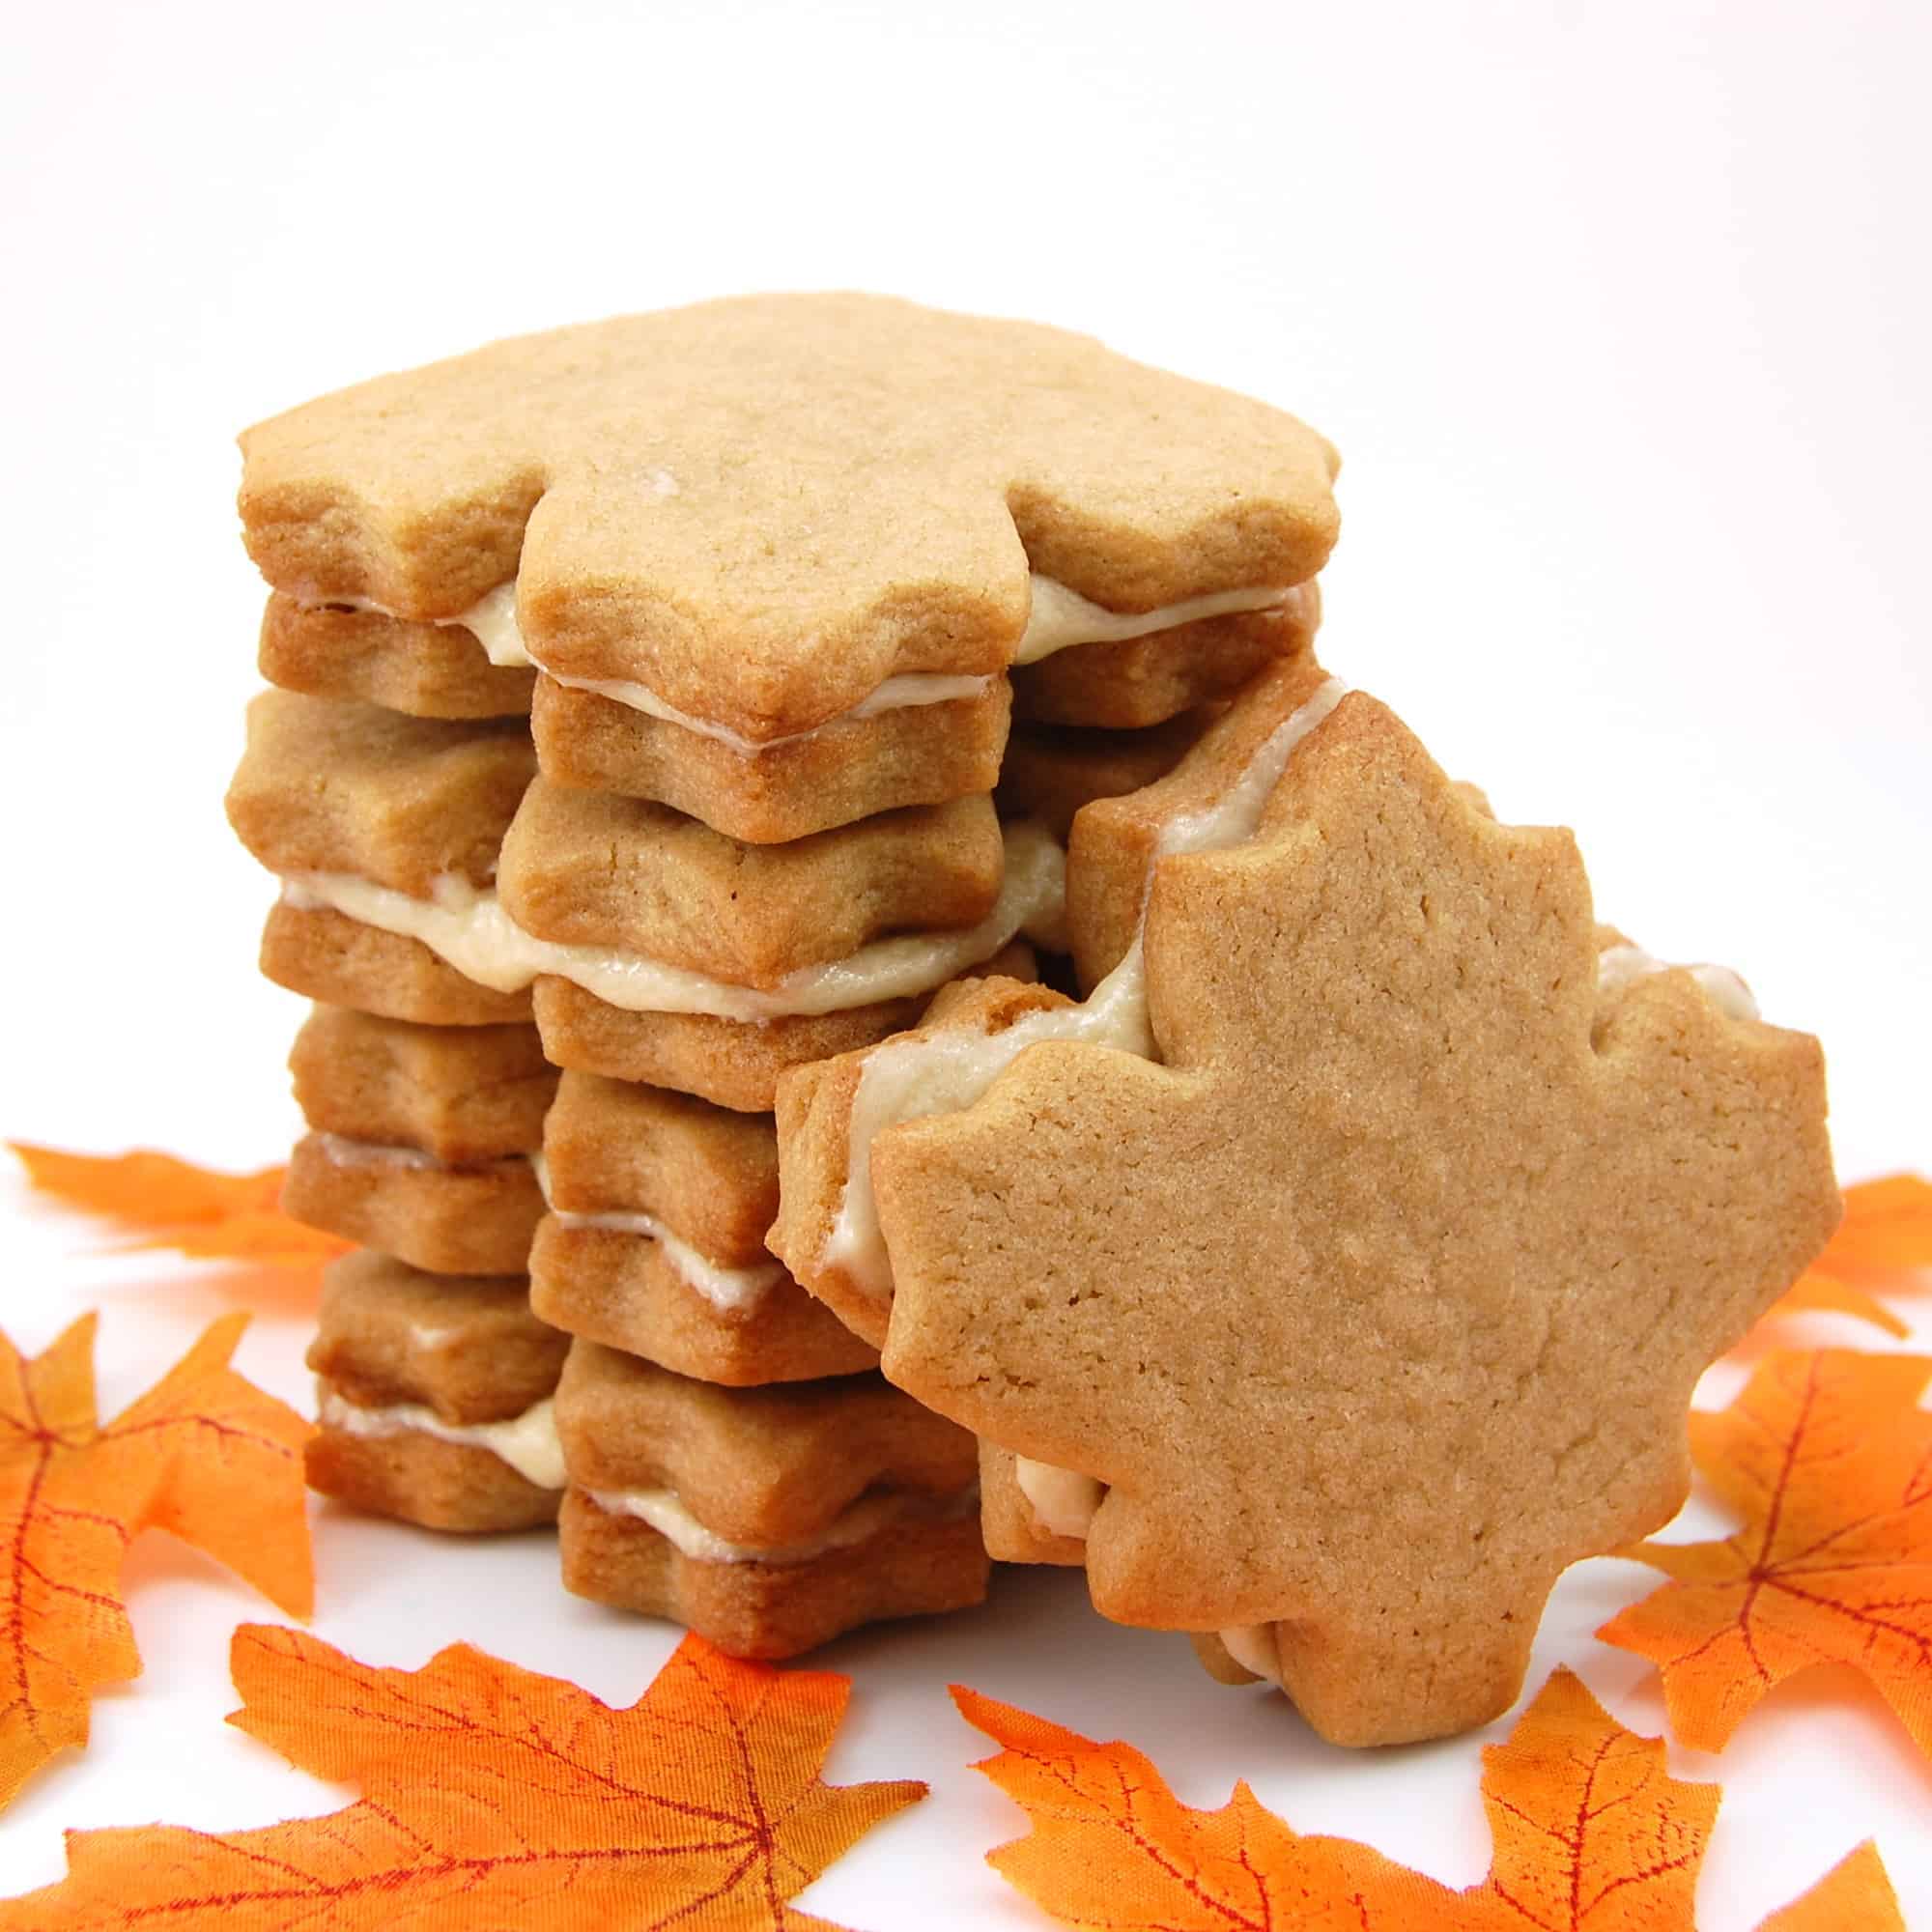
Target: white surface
1619, 314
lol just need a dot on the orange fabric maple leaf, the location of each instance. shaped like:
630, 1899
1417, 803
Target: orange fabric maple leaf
494, 1796
1589, 1829
1827, 1458
1886, 1233
166, 1203
204, 1454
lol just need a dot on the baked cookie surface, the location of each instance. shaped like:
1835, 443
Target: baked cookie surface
695, 502
1350, 1280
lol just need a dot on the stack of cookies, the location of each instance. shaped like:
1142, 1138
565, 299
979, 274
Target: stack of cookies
425, 1092
760, 576
1326, 1275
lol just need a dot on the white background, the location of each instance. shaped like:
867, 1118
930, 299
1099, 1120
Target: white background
1619, 314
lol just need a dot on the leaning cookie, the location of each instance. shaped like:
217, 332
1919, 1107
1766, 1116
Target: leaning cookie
434, 1396
1383, 1172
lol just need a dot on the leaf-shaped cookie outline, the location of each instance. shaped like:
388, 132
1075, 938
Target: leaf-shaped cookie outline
698, 500
1511, 1274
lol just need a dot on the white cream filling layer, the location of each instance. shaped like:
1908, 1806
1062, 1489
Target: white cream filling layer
729, 1290
1253, 1647
910, 1079
527, 1443
905, 692
1057, 619
340, 1150
1064, 1501
666, 1512
1618, 966
467, 927
491, 620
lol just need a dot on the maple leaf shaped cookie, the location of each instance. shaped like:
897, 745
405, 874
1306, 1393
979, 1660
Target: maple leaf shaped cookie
761, 509
1382, 1299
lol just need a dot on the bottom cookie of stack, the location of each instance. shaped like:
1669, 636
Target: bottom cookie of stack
768, 1519
434, 1396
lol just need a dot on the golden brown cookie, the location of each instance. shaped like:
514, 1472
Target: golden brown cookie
709, 1174
349, 803
738, 1327
842, 771
1379, 1297
589, 869
1050, 771
349, 789
1141, 682
825, 1232
692, 503
760, 1467
425, 1480
430, 671
767, 1519
434, 1394
731, 1063
473, 1219
726, 1062
628, 871
329, 956
911, 1558
1010, 1523
1114, 840
460, 1094
656, 1242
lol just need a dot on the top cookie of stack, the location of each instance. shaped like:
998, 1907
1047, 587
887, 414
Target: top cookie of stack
781, 563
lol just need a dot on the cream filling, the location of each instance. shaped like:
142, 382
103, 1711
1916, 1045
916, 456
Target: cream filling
1064, 1501
664, 1511
904, 693
1618, 966
1057, 619
491, 620
340, 1150
1253, 1647
467, 927
729, 1290
527, 1443
912, 1078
